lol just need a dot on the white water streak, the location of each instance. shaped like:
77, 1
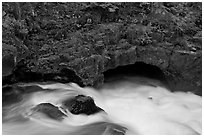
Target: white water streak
141, 109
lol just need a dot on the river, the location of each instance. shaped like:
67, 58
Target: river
132, 106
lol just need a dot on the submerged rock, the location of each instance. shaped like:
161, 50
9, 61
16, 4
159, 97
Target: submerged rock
82, 105
10, 95
49, 110
102, 128
114, 129
30, 89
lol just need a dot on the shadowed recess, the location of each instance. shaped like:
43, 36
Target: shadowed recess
138, 69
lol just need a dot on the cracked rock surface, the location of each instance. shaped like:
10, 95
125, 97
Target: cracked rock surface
78, 42
81, 105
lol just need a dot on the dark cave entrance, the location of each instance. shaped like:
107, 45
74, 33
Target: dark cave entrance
139, 69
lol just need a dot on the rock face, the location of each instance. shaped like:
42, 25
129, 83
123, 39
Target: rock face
8, 59
46, 42
81, 105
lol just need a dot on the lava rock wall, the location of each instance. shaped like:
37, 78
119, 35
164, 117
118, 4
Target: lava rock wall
78, 42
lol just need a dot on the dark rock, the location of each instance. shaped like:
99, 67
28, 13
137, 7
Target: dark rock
10, 95
22, 73
157, 56
9, 54
112, 32
135, 32
120, 58
82, 105
101, 12
49, 38
8, 62
49, 110
64, 76
186, 71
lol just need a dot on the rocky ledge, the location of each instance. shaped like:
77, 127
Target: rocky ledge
79, 42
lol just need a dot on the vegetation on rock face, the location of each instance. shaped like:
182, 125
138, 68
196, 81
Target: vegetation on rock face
88, 38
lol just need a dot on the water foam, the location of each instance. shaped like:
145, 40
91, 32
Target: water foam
142, 109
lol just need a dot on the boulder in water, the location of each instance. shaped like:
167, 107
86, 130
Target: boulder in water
82, 105
49, 110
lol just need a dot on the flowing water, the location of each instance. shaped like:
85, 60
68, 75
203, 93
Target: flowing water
131, 106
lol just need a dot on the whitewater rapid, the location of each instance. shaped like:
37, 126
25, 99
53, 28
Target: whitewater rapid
129, 107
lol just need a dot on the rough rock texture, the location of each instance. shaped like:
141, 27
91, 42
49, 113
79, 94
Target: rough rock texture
8, 59
78, 42
81, 105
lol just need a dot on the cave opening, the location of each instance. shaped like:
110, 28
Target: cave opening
138, 69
